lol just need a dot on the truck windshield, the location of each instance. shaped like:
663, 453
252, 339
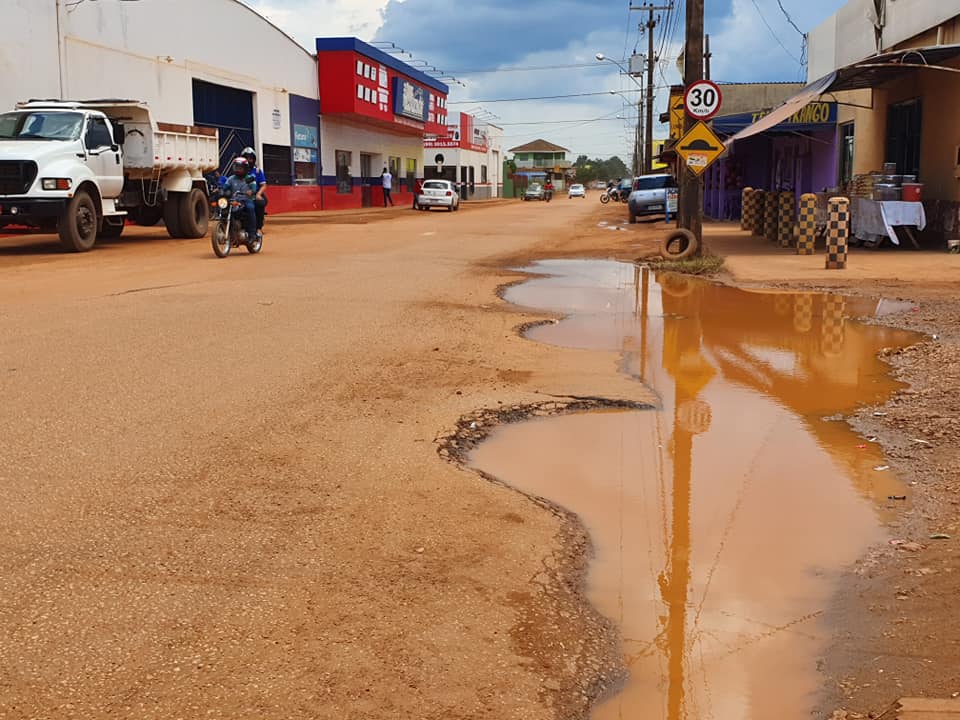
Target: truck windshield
40, 125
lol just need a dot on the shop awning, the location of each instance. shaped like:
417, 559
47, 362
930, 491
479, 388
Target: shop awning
869, 73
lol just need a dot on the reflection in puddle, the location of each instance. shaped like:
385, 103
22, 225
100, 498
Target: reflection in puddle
719, 520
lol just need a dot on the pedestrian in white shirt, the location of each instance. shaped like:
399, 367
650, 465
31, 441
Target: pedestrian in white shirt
386, 180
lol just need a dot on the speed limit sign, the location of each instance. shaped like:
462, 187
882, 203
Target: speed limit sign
702, 99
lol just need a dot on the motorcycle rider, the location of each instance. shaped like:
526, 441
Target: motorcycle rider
260, 200
548, 190
241, 185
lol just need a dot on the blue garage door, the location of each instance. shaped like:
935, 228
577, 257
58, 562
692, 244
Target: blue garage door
228, 110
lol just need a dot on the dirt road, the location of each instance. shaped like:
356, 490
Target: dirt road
222, 495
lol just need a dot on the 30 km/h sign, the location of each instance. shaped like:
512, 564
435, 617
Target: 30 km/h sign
702, 99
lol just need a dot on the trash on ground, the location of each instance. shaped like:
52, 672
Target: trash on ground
911, 546
879, 414
922, 442
939, 536
881, 468
896, 497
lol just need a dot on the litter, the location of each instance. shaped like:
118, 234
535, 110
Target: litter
881, 468
939, 536
879, 414
896, 497
922, 442
872, 438
861, 447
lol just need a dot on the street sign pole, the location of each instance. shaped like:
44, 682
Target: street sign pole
690, 215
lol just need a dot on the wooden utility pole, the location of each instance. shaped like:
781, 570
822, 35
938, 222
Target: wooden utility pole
651, 61
690, 215
706, 57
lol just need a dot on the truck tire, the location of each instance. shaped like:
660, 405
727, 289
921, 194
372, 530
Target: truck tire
78, 226
171, 214
679, 245
112, 227
194, 214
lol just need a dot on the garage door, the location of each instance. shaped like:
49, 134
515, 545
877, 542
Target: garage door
228, 110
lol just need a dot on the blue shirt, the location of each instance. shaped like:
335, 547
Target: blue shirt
259, 176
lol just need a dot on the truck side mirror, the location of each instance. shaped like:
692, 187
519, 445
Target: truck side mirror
119, 133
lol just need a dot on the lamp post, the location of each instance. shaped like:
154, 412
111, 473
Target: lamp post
638, 153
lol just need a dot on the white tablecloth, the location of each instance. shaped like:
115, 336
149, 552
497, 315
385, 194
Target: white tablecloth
873, 217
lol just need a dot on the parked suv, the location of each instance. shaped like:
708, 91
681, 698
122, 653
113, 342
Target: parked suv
649, 195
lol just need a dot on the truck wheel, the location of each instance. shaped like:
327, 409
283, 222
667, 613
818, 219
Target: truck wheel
112, 227
194, 214
78, 226
171, 214
679, 245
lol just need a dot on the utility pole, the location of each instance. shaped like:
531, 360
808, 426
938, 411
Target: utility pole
690, 215
706, 56
651, 60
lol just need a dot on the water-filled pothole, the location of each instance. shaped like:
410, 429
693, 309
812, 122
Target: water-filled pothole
720, 520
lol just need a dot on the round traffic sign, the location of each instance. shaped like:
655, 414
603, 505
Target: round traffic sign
702, 99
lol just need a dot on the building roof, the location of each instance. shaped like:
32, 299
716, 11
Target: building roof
539, 146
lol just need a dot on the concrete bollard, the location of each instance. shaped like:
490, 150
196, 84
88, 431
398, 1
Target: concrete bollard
833, 329
807, 225
771, 209
745, 208
788, 203
759, 212
838, 230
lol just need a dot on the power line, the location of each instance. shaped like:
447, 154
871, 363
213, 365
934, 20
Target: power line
542, 97
774, 34
520, 68
790, 19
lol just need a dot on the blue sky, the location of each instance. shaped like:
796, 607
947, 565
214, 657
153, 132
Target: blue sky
751, 40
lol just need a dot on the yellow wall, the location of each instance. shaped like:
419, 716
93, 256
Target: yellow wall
939, 91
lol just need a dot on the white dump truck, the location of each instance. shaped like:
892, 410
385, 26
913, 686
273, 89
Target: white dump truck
81, 168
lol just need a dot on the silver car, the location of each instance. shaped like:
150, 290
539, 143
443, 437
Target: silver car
534, 191
649, 195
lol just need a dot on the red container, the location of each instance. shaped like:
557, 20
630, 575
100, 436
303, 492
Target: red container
912, 192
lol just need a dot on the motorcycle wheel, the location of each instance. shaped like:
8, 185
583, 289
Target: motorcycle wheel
604, 198
256, 245
220, 239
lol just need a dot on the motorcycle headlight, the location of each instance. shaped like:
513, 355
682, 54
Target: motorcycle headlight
222, 203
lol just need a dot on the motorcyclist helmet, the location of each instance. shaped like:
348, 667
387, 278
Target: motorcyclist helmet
251, 156
241, 167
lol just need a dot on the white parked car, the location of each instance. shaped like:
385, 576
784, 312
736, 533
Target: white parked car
577, 190
438, 193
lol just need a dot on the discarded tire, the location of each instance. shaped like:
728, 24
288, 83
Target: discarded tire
679, 245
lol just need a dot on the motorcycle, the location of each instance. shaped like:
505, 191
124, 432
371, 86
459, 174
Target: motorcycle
548, 194
611, 193
228, 231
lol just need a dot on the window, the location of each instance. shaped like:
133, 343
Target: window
276, 164
98, 134
656, 182
344, 179
903, 136
360, 92
394, 166
483, 174
411, 172
846, 154
366, 167
359, 67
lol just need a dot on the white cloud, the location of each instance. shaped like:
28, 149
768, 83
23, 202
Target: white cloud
306, 21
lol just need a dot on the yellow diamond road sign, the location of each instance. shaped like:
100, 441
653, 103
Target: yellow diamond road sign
676, 116
699, 148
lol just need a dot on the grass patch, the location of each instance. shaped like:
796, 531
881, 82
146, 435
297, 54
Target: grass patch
703, 265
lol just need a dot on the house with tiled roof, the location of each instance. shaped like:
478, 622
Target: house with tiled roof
541, 159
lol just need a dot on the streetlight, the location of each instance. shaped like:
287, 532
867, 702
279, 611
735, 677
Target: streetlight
638, 151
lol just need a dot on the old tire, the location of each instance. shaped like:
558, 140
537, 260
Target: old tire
171, 214
194, 214
679, 245
112, 227
78, 226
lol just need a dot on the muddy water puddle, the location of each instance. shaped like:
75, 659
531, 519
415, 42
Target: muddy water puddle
722, 519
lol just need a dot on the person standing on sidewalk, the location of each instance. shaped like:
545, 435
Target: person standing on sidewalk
386, 180
417, 189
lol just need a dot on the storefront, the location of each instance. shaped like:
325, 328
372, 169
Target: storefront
467, 154
798, 154
375, 114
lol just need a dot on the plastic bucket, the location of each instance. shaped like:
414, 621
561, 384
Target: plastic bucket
912, 192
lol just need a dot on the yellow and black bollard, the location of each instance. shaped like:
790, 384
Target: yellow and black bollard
802, 313
759, 212
771, 209
838, 230
807, 225
788, 202
745, 208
